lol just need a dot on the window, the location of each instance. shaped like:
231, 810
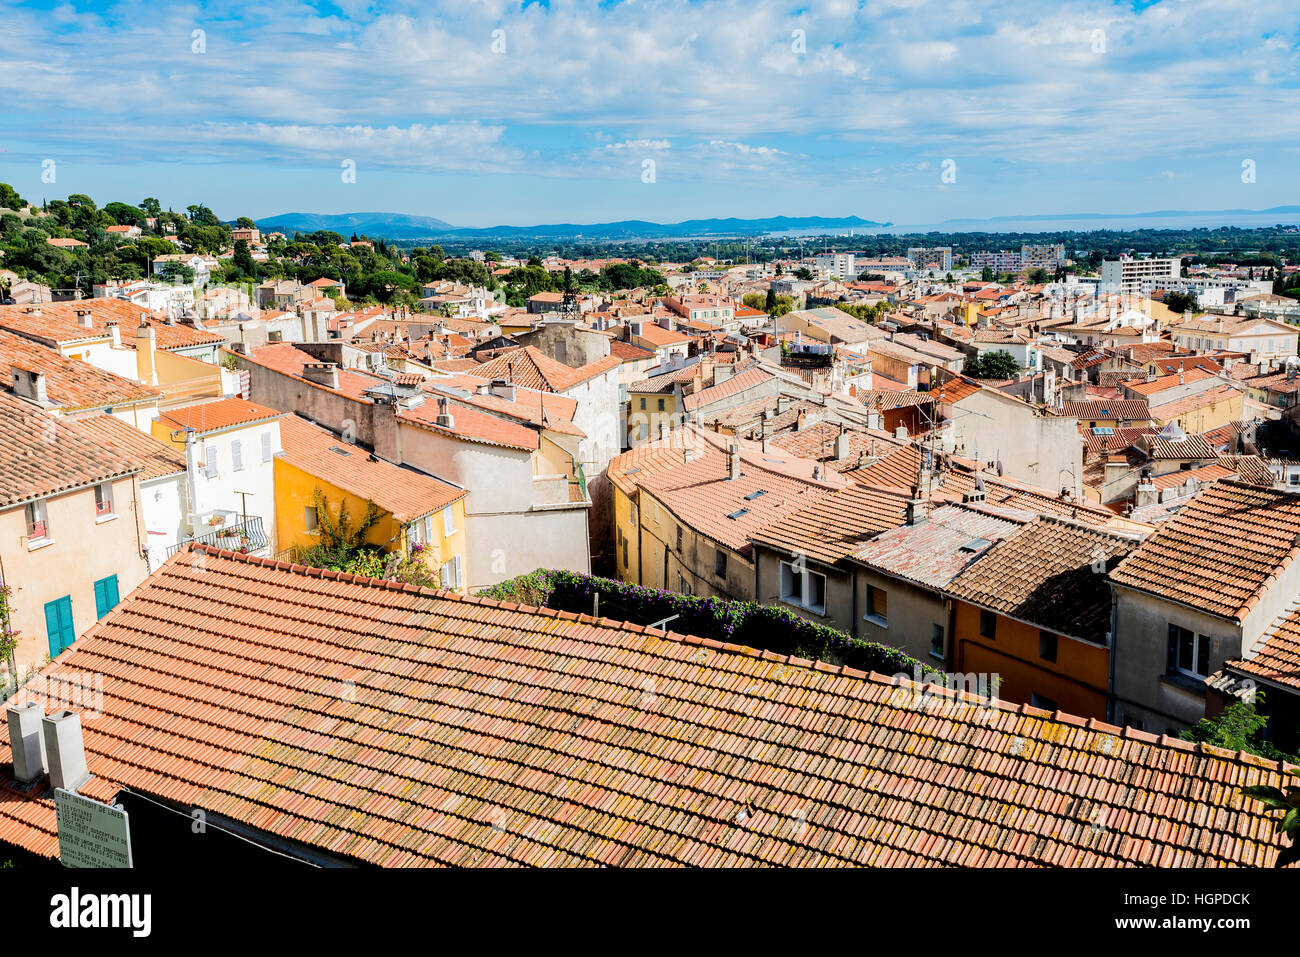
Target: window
661, 405
1046, 646
450, 573
58, 624
643, 403
448, 521
936, 640
1189, 653
210, 469
719, 563
38, 523
1042, 701
266, 446
877, 606
679, 539
105, 596
236, 455
988, 624
103, 499
311, 519
683, 585
804, 588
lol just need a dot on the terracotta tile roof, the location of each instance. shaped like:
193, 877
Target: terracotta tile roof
1277, 657
1157, 446
530, 367
1161, 383
1119, 409
937, 550
404, 493
534, 407
628, 351
288, 359
58, 322
702, 495
1221, 551
1117, 440
742, 381
1045, 574
954, 390
43, 454
1206, 473
837, 525
885, 399
157, 458
70, 384
1251, 468
1191, 403
222, 414
264, 692
474, 425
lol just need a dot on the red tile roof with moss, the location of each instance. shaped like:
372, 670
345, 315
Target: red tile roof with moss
264, 693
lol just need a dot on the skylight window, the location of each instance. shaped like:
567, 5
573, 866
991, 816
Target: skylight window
753, 495
738, 514
335, 448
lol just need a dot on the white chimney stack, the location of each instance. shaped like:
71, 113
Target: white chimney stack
65, 750
25, 742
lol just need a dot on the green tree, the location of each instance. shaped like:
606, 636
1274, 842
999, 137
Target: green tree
992, 365
243, 258
1180, 301
1288, 802
9, 198
1239, 727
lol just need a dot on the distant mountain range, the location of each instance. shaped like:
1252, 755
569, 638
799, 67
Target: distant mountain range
401, 226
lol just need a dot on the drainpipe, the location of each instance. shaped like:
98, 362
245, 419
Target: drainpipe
1114, 649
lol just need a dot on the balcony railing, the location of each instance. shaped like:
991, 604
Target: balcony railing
246, 536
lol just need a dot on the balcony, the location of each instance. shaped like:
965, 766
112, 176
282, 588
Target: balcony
245, 536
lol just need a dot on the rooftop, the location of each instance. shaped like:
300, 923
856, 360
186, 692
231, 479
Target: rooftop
264, 693
1220, 551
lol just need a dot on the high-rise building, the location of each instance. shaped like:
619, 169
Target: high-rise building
1042, 255
938, 258
1126, 274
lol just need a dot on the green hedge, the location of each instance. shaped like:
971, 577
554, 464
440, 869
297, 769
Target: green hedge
740, 622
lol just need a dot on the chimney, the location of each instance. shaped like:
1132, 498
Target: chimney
445, 418
818, 472
504, 389
65, 750
84, 319
146, 366
916, 511
114, 333
321, 373
782, 404
1145, 493
733, 461
841, 446
900, 432
26, 743
29, 385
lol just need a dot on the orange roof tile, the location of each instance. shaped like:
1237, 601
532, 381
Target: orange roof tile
43, 454
157, 458
264, 693
70, 384
1220, 552
403, 492
222, 414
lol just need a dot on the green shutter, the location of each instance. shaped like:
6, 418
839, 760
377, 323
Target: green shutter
105, 595
58, 624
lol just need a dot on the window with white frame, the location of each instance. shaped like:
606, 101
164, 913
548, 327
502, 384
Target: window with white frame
266, 446
210, 467
802, 587
103, 499
236, 455
448, 521
38, 522
450, 573
1189, 653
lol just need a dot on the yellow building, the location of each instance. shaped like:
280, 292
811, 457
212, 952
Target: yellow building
420, 516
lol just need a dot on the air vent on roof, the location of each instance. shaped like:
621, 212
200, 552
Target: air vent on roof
753, 495
976, 545
335, 448
738, 514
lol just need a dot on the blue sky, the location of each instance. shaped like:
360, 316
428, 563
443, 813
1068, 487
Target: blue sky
745, 107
